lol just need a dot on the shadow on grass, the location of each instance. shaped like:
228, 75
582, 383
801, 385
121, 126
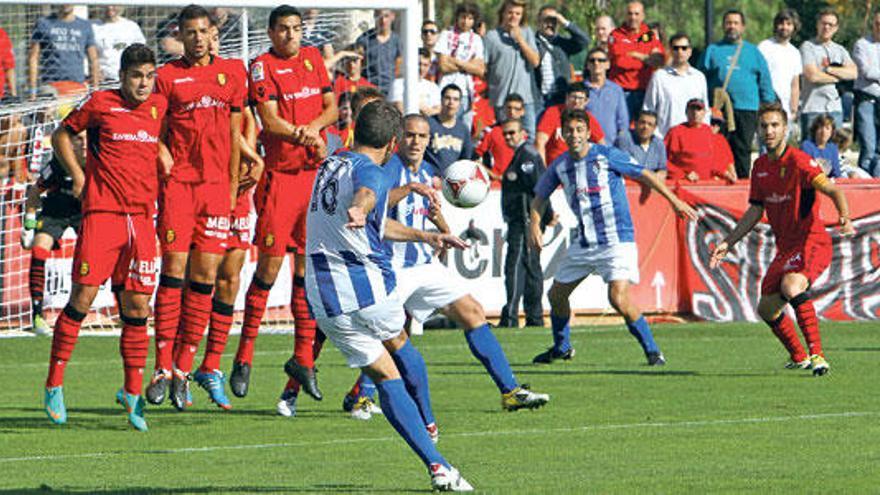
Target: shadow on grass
317, 488
563, 372
853, 349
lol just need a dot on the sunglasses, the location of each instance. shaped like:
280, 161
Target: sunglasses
597, 60
429, 31
681, 48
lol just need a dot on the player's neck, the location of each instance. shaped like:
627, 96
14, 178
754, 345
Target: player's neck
777, 152
579, 155
376, 155
202, 61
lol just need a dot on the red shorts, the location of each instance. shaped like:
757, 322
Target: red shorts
193, 216
241, 223
282, 201
809, 259
118, 245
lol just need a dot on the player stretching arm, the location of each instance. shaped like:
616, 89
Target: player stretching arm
783, 185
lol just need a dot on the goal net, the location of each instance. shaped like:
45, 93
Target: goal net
26, 126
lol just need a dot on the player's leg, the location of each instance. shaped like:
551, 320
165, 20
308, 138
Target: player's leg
795, 289
770, 309
409, 361
40, 252
134, 346
560, 316
469, 314
619, 296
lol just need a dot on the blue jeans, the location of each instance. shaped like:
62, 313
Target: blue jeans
866, 122
634, 101
529, 120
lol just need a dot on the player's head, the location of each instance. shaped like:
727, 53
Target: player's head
416, 135
514, 106
378, 127
772, 124
576, 131
577, 95
285, 30
137, 72
195, 23
364, 95
450, 100
513, 132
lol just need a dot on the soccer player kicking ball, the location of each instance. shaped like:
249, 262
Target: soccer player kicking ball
784, 184
591, 176
119, 189
351, 284
205, 97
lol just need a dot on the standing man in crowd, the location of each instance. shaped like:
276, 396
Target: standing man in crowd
867, 120
554, 72
826, 63
295, 102
784, 186
450, 137
606, 99
749, 85
206, 95
602, 29
7, 66
430, 35
511, 56
429, 92
643, 144
382, 51
460, 55
112, 35
59, 46
784, 61
635, 52
674, 85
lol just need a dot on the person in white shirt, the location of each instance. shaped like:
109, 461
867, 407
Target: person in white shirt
673, 86
460, 55
784, 61
867, 88
429, 92
113, 34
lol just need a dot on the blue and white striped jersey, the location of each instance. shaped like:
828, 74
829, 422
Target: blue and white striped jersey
346, 269
412, 211
596, 193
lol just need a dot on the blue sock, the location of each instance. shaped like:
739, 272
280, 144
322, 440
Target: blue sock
561, 332
485, 347
368, 388
414, 373
401, 411
642, 332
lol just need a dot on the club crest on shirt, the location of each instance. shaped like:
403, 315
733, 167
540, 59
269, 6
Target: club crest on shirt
308, 65
84, 269
270, 240
170, 236
257, 74
781, 172
221, 78
154, 112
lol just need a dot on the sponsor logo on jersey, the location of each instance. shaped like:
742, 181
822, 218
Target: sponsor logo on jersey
303, 93
119, 110
141, 136
184, 80
777, 198
84, 269
761, 174
221, 78
257, 73
283, 71
204, 102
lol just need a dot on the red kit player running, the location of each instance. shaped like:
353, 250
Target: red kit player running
784, 185
295, 102
205, 97
117, 238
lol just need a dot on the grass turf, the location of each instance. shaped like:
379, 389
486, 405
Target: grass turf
722, 416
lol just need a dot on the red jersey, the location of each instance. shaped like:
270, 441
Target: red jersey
631, 73
689, 149
551, 125
7, 59
343, 84
298, 85
785, 188
123, 146
722, 156
200, 102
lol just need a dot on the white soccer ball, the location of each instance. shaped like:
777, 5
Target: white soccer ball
465, 184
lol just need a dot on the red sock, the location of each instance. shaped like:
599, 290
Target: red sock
134, 345
37, 277
784, 330
194, 318
63, 341
806, 318
356, 388
304, 336
218, 334
166, 316
292, 385
254, 307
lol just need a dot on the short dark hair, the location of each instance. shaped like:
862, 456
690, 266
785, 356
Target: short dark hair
281, 12
575, 114
364, 93
774, 107
738, 12
510, 120
828, 11
514, 97
679, 36
193, 11
344, 98
648, 113
136, 54
466, 8
423, 52
597, 49
451, 87
577, 87
377, 124
788, 15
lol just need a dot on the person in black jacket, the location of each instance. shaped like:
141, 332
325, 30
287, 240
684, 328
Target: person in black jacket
553, 73
523, 277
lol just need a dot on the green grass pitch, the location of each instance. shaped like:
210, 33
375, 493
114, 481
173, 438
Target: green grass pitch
722, 416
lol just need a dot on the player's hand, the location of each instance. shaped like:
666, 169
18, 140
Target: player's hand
536, 238
357, 219
251, 171
554, 220
310, 136
685, 210
847, 229
165, 165
440, 242
425, 191
516, 34
692, 176
718, 255
729, 176
79, 181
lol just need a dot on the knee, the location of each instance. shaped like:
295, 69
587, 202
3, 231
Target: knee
471, 313
767, 310
557, 295
394, 344
268, 268
793, 286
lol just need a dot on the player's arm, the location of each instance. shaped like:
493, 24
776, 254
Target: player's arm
745, 225
826, 187
362, 204
396, 231
234, 156
94, 66
328, 116
248, 144
681, 208
541, 139
397, 194
63, 144
436, 217
33, 69
536, 213
274, 124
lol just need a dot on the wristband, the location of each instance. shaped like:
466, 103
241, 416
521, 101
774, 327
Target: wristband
30, 223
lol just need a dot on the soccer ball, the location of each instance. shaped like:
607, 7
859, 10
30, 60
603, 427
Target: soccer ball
465, 184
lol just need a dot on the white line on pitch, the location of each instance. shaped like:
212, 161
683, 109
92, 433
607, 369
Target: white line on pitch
537, 431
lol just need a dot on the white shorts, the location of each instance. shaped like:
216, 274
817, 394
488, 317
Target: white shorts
426, 288
359, 334
614, 262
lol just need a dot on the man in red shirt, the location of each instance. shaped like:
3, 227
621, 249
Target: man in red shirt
119, 189
784, 185
549, 140
7, 65
205, 97
691, 148
352, 78
635, 53
493, 141
295, 102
